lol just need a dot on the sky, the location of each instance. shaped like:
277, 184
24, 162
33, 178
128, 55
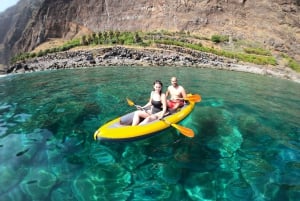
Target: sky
4, 4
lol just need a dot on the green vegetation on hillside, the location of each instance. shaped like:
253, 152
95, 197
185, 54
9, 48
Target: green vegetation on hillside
292, 63
256, 55
219, 38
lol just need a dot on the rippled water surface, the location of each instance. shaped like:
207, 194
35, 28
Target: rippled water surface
247, 143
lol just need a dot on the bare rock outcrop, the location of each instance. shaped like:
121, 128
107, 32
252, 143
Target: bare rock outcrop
274, 23
164, 55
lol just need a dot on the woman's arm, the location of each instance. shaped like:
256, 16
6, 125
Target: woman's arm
149, 102
164, 105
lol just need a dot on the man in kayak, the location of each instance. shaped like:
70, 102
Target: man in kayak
157, 104
177, 94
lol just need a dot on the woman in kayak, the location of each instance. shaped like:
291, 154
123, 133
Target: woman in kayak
158, 105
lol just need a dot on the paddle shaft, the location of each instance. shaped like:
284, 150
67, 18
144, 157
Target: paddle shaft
183, 130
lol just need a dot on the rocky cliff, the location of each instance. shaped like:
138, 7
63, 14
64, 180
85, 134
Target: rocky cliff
274, 23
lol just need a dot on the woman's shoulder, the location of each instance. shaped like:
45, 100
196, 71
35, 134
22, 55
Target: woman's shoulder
151, 94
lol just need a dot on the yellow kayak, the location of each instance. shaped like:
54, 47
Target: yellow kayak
120, 129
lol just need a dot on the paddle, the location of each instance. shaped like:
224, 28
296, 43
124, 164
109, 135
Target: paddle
193, 98
183, 130
131, 103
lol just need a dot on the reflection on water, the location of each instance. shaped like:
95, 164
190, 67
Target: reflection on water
246, 145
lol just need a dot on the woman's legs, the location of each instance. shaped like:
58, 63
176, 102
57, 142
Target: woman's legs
148, 119
137, 116
151, 118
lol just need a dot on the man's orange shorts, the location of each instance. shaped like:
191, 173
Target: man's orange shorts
172, 103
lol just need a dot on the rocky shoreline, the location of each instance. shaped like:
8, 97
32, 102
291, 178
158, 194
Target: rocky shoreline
161, 55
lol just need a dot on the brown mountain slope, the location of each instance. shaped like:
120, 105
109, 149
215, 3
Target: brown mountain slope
273, 23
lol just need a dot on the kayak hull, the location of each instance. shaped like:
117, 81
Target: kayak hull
115, 130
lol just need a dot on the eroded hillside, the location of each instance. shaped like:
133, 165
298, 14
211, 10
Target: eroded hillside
272, 23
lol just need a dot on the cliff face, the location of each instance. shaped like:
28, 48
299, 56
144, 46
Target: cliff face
13, 24
276, 23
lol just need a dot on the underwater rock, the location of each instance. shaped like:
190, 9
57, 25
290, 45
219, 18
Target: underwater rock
200, 186
15, 194
10, 178
221, 133
145, 172
41, 189
248, 124
20, 154
170, 173
256, 177
151, 190
239, 190
133, 156
21, 118
102, 183
62, 192
178, 193
103, 155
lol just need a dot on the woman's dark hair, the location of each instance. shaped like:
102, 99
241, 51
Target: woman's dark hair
158, 82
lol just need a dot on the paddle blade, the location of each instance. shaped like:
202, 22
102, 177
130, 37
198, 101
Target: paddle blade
185, 131
194, 98
130, 102
96, 135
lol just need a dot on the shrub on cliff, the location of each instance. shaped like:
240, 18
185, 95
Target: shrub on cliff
219, 38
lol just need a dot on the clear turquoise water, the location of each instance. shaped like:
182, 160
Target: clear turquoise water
247, 143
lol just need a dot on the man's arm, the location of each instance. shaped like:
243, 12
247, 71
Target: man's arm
167, 92
183, 93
